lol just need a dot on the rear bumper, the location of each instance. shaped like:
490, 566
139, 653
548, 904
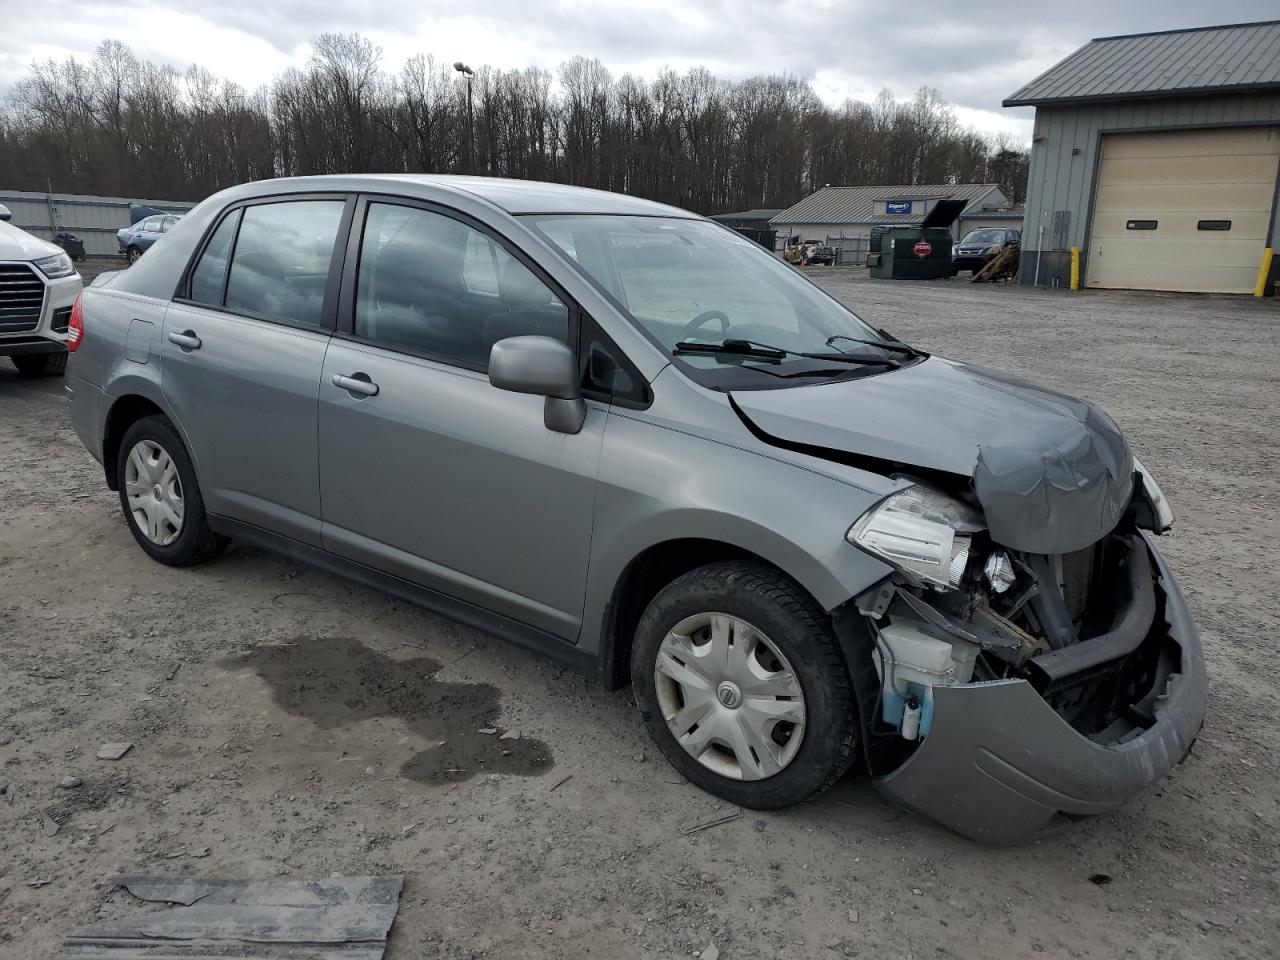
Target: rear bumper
1000, 766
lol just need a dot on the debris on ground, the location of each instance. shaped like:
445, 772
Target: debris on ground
113, 751
487, 731
711, 820
1100, 879
712, 952
510, 735
51, 827
339, 918
1004, 266
560, 783
70, 783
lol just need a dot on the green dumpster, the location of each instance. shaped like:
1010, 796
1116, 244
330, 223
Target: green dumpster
918, 252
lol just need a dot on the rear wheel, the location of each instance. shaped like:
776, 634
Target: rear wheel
132, 254
42, 364
740, 681
161, 497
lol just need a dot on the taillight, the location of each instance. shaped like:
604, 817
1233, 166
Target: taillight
75, 328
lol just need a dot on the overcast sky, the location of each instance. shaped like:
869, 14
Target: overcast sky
974, 53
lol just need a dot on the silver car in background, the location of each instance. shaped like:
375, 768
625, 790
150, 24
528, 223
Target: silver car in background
624, 436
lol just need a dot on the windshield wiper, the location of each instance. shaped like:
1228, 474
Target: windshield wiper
765, 351
737, 348
894, 346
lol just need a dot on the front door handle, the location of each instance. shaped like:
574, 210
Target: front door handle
358, 383
187, 340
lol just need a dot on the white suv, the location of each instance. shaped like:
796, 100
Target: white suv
38, 287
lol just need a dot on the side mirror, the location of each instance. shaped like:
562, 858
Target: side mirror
5, 215
543, 367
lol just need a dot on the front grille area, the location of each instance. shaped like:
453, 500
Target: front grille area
21, 297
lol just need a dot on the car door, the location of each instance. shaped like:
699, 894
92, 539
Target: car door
243, 349
427, 471
149, 232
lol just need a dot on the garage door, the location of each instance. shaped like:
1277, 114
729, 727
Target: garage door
1183, 211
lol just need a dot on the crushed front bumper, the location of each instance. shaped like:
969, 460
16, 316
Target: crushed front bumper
1000, 766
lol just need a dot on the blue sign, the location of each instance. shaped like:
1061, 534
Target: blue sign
899, 207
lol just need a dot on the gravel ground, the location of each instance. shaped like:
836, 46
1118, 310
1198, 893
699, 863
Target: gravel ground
283, 721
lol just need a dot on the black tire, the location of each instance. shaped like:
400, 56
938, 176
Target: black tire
42, 364
797, 626
133, 254
196, 543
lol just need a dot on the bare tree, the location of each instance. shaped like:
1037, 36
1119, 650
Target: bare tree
118, 125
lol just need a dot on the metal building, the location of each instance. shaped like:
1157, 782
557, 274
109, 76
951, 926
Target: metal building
1158, 154
94, 220
842, 217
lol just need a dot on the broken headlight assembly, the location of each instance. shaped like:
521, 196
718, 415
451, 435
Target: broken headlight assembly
1161, 508
921, 532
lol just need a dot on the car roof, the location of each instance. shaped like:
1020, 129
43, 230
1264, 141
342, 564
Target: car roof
513, 196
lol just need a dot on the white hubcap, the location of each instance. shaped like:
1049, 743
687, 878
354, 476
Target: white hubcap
729, 696
154, 491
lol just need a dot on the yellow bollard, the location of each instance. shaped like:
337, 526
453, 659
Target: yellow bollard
1264, 271
1075, 268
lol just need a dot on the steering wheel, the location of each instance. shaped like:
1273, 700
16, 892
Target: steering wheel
702, 319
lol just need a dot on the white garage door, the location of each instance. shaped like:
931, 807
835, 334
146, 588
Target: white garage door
1183, 211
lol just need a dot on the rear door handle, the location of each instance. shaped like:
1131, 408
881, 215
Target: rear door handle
356, 383
187, 340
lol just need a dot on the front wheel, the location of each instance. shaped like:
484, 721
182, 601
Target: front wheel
740, 681
42, 364
161, 497
132, 255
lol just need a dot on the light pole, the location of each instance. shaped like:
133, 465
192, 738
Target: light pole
467, 72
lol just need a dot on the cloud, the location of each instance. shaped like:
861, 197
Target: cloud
973, 54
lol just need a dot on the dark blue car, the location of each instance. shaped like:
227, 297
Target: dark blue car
135, 240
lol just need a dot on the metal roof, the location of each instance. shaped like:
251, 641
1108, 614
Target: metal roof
1229, 58
858, 204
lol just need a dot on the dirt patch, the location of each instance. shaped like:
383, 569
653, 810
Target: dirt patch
335, 682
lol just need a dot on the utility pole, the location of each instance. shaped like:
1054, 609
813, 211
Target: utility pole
467, 72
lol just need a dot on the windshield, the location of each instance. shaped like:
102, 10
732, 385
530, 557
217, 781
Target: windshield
684, 281
984, 236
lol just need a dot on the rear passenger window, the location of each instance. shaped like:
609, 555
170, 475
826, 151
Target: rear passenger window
210, 275
433, 285
280, 264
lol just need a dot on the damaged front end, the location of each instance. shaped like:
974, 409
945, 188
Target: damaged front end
1005, 690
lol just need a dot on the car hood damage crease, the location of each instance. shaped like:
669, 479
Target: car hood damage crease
1053, 474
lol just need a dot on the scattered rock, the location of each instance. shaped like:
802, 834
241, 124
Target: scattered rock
917, 891
113, 751
712, 952
509, 735
639, 757
70, 783
202, 852
760, 825
853, 915
51, 827
487, 731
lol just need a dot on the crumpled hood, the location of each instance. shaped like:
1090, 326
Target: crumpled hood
17, 244
1053, 474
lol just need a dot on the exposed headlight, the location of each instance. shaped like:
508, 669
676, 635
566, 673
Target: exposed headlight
922, 532
1159, 502
53, 267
